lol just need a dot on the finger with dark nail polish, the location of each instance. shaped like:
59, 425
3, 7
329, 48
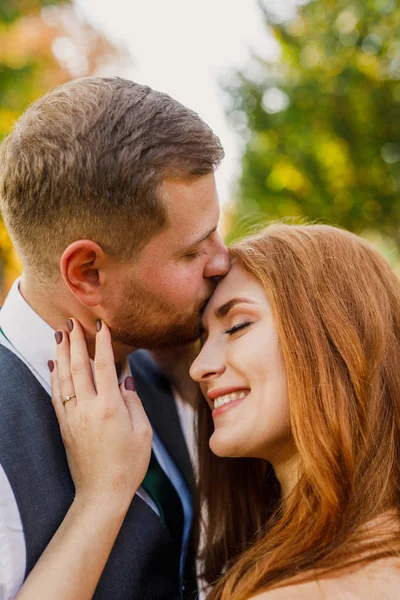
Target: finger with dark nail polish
50, 364
99, 324
70, 324
130, 384
59, 336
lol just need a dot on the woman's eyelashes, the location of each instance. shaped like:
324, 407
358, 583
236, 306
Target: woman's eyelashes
238, 327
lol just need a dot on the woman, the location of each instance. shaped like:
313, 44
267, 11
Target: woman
300, 362
299, 367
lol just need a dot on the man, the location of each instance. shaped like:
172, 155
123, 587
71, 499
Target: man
107, 189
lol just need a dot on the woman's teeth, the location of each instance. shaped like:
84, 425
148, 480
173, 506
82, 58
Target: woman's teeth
228, 398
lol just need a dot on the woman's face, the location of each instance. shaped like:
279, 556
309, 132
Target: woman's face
241, 372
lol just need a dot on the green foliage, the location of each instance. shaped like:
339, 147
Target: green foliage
10, 10
321, 124
27, 69
32, 62
27, 65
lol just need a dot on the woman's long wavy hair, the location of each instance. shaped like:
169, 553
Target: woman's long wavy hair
336, 304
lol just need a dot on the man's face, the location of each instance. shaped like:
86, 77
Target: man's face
158, 296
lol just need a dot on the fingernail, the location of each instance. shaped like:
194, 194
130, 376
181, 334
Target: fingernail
130, 384
70, 324
99, 324
50, 364
59, 336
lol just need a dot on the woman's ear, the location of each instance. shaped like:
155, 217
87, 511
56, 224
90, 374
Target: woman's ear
81, 266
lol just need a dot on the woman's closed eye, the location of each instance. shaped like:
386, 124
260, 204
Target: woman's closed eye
238, 327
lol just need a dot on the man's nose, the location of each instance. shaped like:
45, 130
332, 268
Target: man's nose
219, 264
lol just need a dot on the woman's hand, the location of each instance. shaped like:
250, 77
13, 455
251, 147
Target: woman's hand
107, 437
106, 432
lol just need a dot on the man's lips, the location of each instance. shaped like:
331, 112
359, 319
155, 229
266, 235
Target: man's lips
203, 305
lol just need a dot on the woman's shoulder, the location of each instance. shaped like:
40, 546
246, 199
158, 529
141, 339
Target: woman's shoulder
302, 591
380, 579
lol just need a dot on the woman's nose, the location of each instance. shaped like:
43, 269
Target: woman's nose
205, 367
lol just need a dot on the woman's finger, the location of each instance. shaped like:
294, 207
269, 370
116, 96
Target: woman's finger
104, 366
56, 392
81, 371
134, 405
64, 369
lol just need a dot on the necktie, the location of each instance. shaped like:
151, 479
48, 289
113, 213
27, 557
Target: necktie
161, 490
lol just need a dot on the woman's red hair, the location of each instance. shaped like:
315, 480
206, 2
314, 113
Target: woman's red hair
336, 304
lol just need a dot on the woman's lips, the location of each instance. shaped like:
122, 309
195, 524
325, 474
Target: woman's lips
223, 391
231, 404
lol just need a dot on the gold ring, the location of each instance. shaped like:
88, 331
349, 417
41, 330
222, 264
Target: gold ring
65, 400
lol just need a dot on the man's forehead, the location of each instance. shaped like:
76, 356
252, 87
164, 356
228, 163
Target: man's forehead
192, 212
185, 199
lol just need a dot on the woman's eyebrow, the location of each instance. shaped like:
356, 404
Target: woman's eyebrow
223, 310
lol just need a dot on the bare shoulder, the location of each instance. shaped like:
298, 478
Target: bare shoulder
303, 591
380, 579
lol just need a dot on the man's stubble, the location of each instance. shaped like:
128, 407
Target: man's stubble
144, 320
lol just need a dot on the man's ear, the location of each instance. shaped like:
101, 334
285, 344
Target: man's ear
81, 266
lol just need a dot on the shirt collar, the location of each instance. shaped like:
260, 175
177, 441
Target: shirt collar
27, 332
31, 337
125, 370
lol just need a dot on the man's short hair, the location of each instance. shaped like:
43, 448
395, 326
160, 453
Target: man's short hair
87, 160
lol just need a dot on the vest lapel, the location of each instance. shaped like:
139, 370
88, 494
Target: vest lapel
155, 393
143, 563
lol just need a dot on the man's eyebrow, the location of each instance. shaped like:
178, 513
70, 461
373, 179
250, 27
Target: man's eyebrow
223, 310
204, 237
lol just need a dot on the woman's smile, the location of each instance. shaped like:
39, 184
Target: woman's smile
240, 357
229, 400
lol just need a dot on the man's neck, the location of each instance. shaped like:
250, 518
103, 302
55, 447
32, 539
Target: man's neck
48, 304
56, 306
175, 364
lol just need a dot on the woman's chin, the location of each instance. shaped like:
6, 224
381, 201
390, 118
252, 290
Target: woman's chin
223, 447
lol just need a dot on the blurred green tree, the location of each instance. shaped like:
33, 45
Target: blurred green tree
321, 120
27, 63
43, 43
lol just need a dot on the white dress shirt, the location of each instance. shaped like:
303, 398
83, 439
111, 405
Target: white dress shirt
186, 418
27, 335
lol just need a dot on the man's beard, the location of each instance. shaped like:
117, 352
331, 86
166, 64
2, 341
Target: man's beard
143, 320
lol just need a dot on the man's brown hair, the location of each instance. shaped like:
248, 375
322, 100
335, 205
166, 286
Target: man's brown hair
87, 160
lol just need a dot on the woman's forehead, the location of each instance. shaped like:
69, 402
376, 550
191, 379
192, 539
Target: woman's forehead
238, 282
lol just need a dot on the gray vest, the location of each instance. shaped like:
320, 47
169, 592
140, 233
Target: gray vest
143, 563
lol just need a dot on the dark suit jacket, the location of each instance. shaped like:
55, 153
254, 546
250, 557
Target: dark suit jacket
143, 564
